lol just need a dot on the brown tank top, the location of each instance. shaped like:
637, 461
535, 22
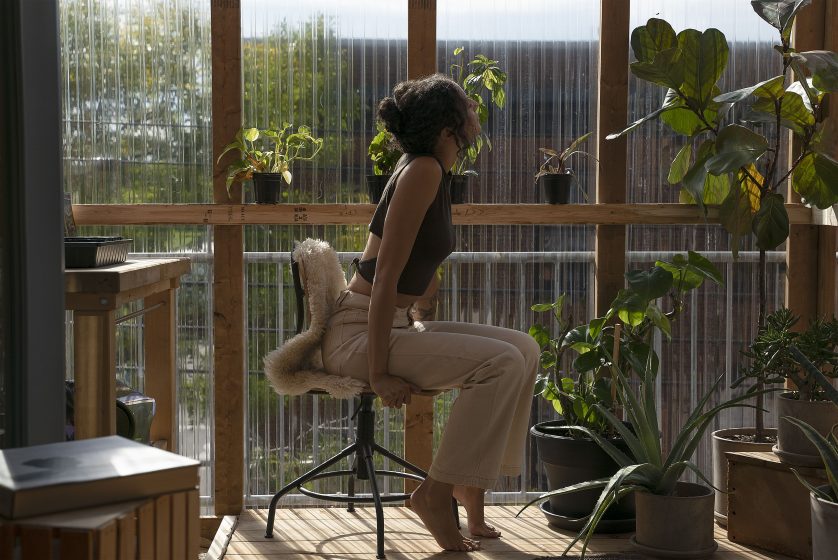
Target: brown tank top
434, 240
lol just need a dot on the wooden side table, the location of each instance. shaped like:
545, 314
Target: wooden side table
94, 294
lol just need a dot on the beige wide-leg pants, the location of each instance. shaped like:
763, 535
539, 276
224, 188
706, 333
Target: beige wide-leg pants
493, 367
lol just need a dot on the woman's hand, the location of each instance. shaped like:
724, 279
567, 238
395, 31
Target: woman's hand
394, 391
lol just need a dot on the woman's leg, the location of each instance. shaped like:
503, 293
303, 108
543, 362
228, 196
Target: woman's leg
472, 498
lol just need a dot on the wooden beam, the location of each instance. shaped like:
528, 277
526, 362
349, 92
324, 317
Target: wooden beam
421, 61
802, 251
228, 274
612, 114
360, 214
827, 287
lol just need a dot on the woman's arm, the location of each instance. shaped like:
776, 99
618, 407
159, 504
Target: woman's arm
417, 187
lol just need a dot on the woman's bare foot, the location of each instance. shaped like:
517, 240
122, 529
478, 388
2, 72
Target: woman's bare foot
432, 503
471, 498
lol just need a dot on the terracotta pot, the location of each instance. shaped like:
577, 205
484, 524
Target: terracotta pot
721, 445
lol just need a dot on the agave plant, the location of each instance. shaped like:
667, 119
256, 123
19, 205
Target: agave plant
645, 468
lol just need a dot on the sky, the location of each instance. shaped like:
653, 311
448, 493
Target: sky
505, 19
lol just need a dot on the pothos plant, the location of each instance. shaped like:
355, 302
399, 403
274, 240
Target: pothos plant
477, 77
269, 151
383, 152
636, 309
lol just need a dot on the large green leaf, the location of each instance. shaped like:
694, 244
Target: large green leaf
704, 58
736, 217
779, 13
696, 177
771, 89
816, 179
793, 112
736, 146
650, 39
649, 284
771, 222
680, 164
824, 67
666, 69
683, 119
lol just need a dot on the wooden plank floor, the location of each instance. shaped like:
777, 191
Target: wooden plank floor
335, 534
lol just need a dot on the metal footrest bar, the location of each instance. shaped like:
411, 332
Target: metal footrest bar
358, 498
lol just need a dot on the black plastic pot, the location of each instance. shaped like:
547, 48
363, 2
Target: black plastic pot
266, 187
375, 186
557, 187
459, 186
569, 461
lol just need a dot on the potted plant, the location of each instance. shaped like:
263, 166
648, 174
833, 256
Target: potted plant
823, 499
484, 75
740, 165
266, 157
554, 175
384, 155
569, 455
674, 519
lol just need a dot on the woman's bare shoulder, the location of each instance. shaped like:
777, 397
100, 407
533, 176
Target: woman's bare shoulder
420, 179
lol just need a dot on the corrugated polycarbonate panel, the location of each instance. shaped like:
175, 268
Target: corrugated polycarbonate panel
549, 50
323, 64
136, 115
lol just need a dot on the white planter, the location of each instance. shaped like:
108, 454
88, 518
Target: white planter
722, 446
824, 527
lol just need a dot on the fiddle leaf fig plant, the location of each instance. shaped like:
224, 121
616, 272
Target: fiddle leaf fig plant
477, 77
740, 165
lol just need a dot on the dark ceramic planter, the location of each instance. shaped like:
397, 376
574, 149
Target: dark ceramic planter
459, 186
557, 187
375, 186
266, 187
569, 461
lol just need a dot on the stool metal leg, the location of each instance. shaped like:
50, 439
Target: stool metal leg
351, 506
379, 511
269, 530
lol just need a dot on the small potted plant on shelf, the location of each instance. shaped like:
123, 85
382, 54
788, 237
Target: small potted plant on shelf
569, 454
484, 75
266, 157
384, 155
554, 174
823, 500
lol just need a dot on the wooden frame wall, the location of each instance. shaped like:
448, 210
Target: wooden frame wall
811, 249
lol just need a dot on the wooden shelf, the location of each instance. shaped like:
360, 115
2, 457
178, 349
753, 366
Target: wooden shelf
360, 214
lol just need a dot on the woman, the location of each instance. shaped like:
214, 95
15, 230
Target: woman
370, 336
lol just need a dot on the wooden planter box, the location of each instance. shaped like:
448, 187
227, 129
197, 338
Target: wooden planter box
767, 506
163, 528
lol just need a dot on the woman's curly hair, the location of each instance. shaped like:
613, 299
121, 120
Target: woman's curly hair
420, 109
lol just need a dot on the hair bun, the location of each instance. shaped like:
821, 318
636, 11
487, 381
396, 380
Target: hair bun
391, 115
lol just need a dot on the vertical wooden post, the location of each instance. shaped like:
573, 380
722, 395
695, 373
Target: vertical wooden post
228, 275
612, 114
828, 235
160, 350
802, 252
94, 344
421, 61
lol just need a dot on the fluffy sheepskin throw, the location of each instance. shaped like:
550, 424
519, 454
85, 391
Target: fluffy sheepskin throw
297, 366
